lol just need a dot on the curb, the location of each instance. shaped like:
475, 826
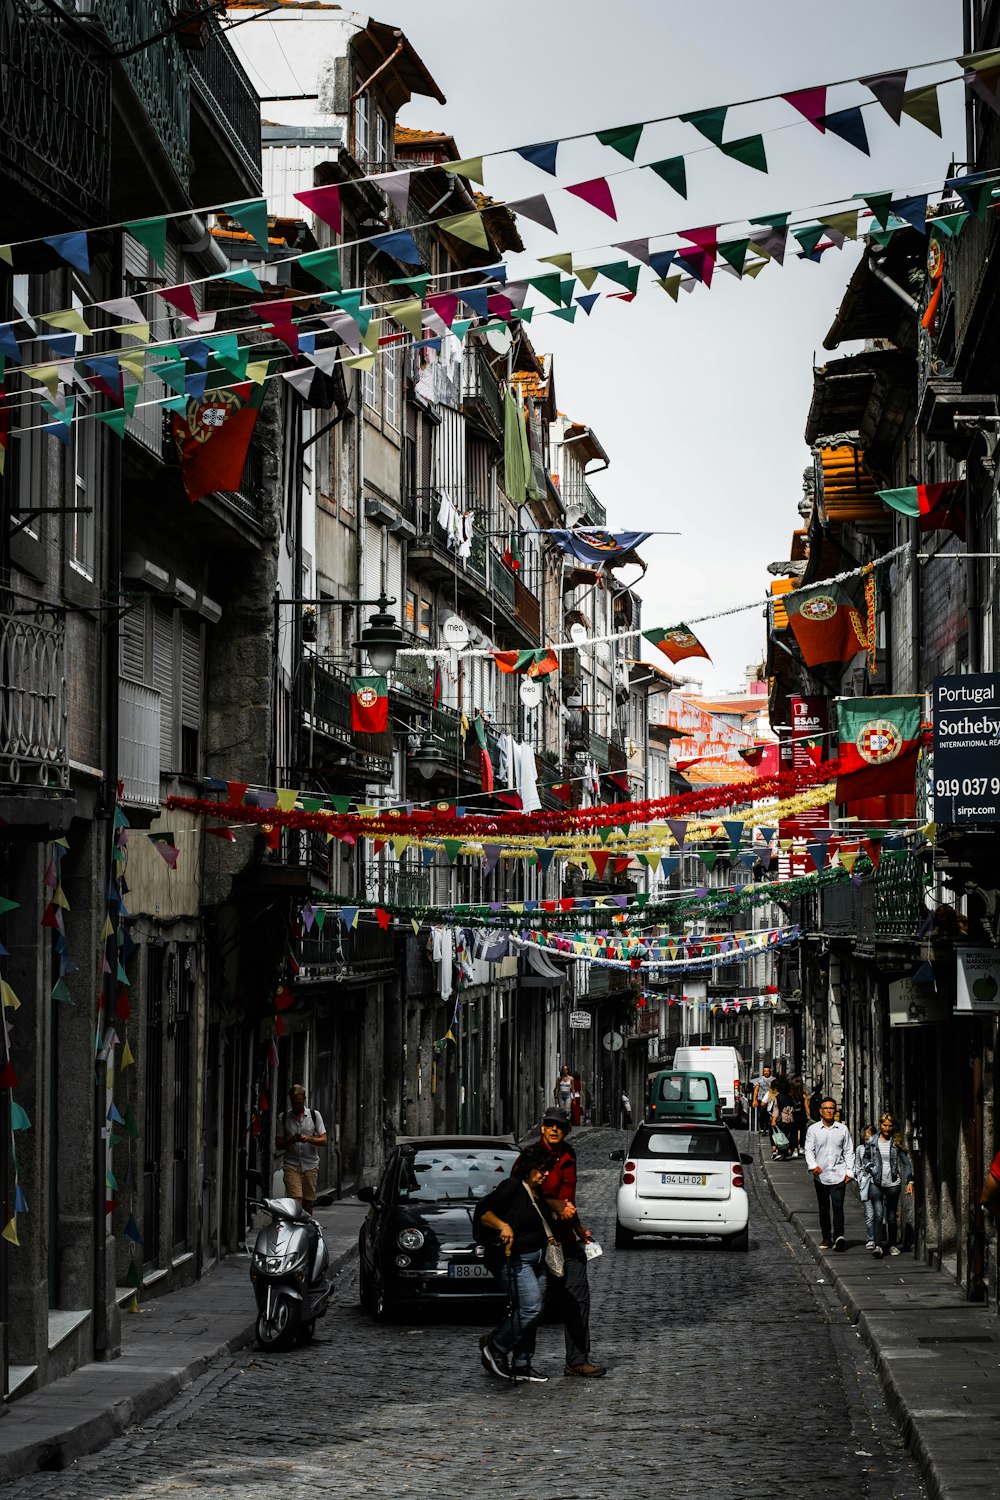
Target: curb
57, 1444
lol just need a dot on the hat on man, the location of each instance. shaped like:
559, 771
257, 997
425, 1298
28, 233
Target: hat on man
555, 1116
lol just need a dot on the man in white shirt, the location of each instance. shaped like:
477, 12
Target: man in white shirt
830, 1159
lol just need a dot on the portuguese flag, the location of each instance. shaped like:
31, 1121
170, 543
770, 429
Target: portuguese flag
369, 705
676, 642
826, 623
939, 507
212, 438
534, 663
879, 745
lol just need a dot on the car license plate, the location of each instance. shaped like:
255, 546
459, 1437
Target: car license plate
463, 1270
683, 1179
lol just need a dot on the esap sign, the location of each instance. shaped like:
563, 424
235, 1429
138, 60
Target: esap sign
966, 714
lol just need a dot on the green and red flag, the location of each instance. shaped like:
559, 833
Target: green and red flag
534, 663
676, 642
879, 744
212, 437
826, 623
369, 705
938, 507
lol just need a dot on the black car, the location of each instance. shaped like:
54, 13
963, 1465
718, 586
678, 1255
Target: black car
416, 1244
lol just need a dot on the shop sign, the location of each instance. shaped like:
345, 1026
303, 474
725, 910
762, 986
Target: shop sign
580, 1020
966, 713
977, 981
915, 1004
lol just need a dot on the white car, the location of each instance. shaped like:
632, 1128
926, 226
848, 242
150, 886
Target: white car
683, 1179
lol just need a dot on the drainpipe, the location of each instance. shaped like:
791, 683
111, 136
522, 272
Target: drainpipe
893, 286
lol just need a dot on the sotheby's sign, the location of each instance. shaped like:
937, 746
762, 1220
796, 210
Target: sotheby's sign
966, 714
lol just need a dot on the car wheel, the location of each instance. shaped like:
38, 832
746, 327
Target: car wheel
624, 1238
739, 1241
365, 1294
382, 1307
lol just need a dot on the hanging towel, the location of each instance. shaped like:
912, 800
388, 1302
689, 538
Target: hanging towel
526, 777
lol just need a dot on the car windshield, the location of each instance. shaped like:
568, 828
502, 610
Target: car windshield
438, 1176
709, 1145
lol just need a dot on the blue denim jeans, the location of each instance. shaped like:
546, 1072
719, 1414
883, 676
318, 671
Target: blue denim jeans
517, 1331
885, 1206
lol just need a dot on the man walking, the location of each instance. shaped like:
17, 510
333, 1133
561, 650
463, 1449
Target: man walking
299, 1135
759, 1100
830, 1159
559, 1192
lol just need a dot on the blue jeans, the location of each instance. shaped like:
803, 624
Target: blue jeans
517, 1331
885, 1206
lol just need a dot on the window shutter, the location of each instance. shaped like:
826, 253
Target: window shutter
133, 644
190, 673
163, 682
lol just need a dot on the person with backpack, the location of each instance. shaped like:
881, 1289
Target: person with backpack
783, 1121
300, 1133
513, 1224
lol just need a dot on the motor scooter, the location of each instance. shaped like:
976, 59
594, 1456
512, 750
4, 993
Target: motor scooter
288, 1268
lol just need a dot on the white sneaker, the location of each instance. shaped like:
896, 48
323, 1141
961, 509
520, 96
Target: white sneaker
869, 1244
893, 1249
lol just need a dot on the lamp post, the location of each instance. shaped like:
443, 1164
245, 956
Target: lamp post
382, 636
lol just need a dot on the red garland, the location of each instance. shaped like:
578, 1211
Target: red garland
435, 823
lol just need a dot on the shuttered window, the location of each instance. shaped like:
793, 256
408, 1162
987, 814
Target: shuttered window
133, 644
191, 695
163, 682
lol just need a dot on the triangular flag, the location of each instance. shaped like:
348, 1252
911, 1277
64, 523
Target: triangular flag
749, 150
469, 166
324, 202
69, 320
245, 278
710, 122
809, 102
396, 187
841, 226
888, 89
587, 301
409, 313
735, 253
127, 1060
624, 139
922, 105
72, 247
595, 192
324, 265
880, 205
542, 155
252, 217
537, 209
913, 210
673, 172
9, 1231
638, 248
152, 234
849, 125
181, 297
467, 227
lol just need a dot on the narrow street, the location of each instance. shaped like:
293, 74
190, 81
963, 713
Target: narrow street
728, 1373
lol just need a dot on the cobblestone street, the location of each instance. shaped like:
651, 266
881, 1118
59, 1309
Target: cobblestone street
728, 1373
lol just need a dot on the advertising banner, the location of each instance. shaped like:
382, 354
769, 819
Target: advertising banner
966, 714
978, 980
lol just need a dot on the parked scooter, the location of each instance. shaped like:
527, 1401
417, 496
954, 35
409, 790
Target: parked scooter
288, 1269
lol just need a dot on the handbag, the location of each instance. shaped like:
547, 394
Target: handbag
555, 1260
780, 1140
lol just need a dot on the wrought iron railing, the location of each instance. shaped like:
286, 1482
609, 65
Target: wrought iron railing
55, 109
248, 500
409, 887
33, 706
139, 742
501, 580
890, 905
335, 951
221, 82
326, 707
158, 72
480, 388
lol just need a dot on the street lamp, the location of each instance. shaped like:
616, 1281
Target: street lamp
428, 759
382, 637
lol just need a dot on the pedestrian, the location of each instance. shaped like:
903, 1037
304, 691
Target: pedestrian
300, 1133
989, 1195
559, 1191
888, 1164
783, 1119
863, 1178
761, 1084
626, 1111
800, 1114
516, 1210
815, 1100
576, 1113
770, 1100
830, 1158
563, 1091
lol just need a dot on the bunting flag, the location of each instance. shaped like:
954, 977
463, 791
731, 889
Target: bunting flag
673, 172
826, 623
324, 202
879, 745
542, 155
676, 642
369, 705
212, 437
939, 507
534, 663
597, 193
888, 89
596, 547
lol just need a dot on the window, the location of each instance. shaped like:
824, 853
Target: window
370, 386
31, 454
81, 526
390, 388
362, 127
383, 148
163, 648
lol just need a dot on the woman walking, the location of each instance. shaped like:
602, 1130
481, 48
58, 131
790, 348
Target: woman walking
888, 1161
516, 1211
863, 1179
563, 1091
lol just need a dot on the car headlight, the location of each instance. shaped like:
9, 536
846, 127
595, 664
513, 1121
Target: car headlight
409, 1239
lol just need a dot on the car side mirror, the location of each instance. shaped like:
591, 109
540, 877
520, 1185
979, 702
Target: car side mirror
746, 1158
367, 1195
616, 1156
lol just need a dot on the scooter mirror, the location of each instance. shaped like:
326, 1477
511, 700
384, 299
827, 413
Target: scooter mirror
255, 1179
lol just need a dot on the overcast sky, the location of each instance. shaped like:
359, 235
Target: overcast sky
700, 405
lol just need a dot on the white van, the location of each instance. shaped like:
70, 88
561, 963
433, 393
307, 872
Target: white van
729, 1071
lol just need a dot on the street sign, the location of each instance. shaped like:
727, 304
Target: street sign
455, 633
613, 1041
966, 713
580, 1020
978, 980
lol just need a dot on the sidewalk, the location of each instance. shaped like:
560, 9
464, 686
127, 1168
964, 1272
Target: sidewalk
937, 1355
164, 1347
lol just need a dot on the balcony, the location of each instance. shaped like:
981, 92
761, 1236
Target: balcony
326, 714
33, 711
55, 112
890, 906
481, 397
228, 160
482, 580
139, 743
158, 73
339, 954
